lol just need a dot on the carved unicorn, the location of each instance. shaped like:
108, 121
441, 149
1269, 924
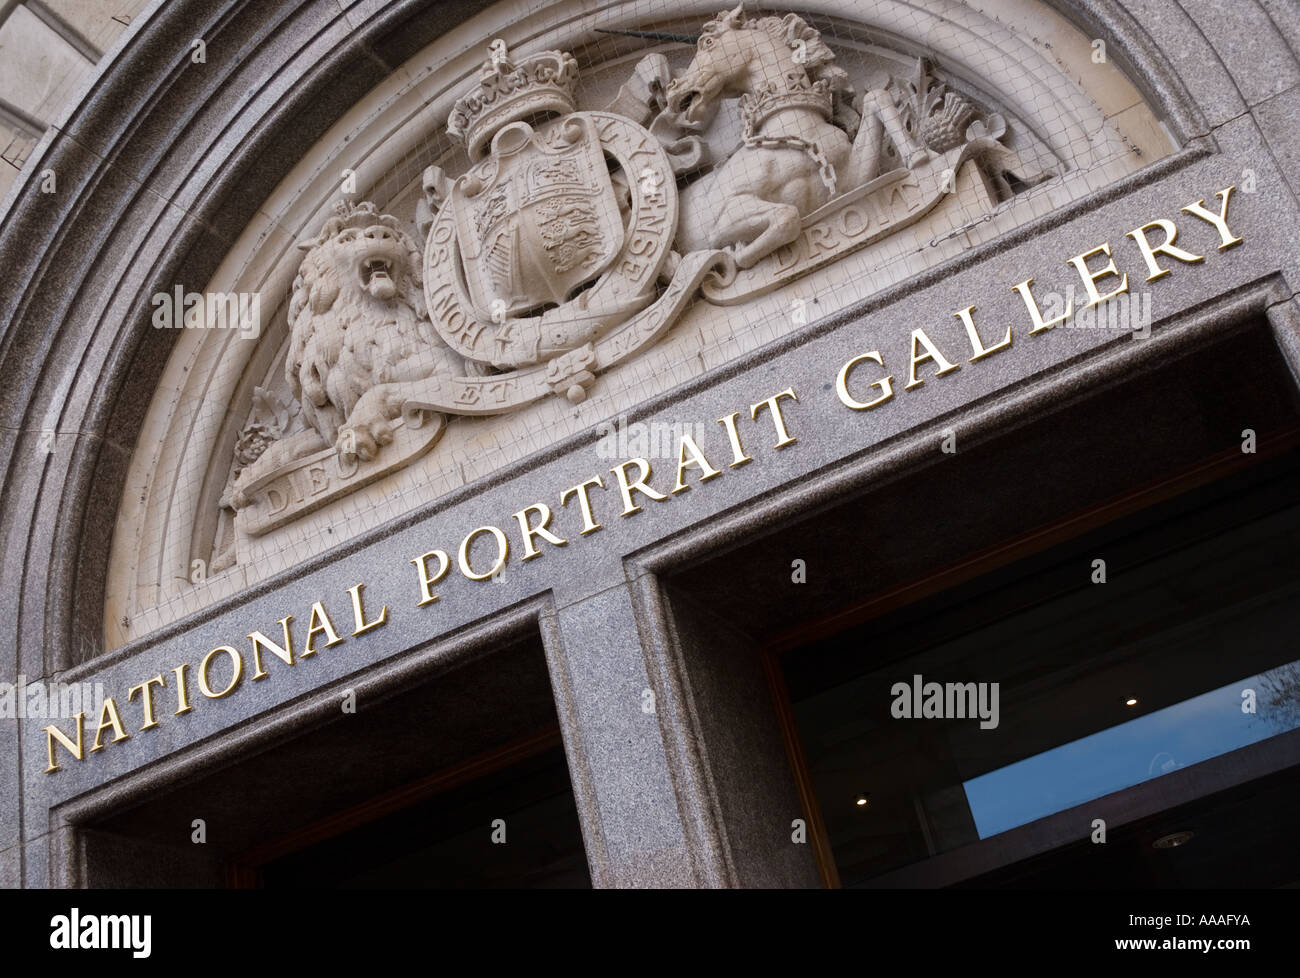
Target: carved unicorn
796, 154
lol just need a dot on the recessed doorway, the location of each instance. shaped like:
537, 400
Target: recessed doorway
451, 774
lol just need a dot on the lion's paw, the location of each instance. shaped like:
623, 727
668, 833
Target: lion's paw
363, 440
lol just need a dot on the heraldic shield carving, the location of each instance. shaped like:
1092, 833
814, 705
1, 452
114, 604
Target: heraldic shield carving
574, 239
538, 221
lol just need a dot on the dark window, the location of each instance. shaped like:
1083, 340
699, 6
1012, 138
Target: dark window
1174, 681
447, 841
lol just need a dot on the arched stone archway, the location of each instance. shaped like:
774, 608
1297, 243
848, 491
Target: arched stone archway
170, 171
1075, 121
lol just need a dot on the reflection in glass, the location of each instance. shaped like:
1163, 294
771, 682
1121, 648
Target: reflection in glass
1146, 747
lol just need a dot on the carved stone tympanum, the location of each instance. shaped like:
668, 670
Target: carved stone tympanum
573, 239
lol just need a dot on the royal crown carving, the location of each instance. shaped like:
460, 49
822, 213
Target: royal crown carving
572, 239
795, 91
509, 91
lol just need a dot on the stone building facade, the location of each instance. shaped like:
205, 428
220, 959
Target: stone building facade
413, 407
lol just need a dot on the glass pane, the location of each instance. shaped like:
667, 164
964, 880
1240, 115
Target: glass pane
1195, 730
1078, 688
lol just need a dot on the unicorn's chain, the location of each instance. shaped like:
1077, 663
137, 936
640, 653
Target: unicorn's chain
825, 169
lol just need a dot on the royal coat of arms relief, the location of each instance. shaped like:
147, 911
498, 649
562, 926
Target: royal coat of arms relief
571, 240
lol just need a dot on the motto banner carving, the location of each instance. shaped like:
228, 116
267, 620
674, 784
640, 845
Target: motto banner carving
576, 238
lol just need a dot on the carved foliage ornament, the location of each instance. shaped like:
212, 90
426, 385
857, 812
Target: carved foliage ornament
574, 239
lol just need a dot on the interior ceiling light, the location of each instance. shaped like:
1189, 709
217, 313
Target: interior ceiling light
1173, 840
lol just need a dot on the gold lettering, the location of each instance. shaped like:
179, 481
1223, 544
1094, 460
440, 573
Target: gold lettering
359, 615
283, 653
326, 626
931, 353
1032, 306
1149, 254
146, 699
53, 733
842, 383
707, 471
1226, 240
977, 346
426, 582
503, 551
182, 690
108, 718
638, 485
237, 670
773, 404
1080, 262
529, 532
738, 456
589, 525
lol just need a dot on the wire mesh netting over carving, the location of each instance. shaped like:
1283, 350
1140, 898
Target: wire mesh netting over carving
505, 245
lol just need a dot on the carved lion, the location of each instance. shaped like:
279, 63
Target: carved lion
358, 328
357, 322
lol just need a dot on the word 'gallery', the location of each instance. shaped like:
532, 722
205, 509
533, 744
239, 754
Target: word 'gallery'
930, 586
